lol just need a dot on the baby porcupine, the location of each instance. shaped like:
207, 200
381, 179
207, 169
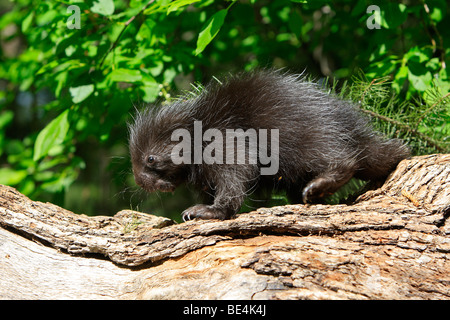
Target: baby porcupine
321, 142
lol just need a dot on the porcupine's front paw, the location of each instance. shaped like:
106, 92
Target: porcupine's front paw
203, 211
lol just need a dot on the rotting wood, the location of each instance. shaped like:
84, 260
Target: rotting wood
393, 243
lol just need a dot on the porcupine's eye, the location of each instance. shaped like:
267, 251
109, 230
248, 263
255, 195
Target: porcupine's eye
151, 159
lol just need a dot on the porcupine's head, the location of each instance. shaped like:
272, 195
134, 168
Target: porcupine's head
151, 147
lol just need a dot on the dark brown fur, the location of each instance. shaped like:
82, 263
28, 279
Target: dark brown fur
323, 142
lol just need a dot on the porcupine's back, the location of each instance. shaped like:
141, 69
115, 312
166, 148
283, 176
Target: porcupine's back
316, 130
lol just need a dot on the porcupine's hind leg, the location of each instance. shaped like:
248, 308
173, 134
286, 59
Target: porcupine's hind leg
374, 163
328, 182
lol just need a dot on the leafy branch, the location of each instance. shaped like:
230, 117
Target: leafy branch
407, 128
126, 24
380, 96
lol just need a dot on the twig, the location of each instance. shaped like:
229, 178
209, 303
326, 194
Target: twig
433, 42
373, 83
123, 30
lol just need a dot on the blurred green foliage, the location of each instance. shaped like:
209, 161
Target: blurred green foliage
70, 78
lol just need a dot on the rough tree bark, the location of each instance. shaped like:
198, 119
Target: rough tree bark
392, 243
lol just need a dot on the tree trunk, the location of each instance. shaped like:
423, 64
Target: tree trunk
392, 243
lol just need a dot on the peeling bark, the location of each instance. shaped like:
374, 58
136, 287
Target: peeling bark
392, 243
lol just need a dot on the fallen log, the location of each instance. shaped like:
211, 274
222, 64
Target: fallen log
392, 243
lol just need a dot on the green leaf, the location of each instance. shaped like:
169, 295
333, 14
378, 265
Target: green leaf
210, 30
433, 64
103, 7
81, 93
26, 23
418, 75
126, 75
11, 177
151, 91
27, 186
157, 69
418, 54
437, 9
400, 78
6, 118
383, 67
393, 15
53, 134
175, 5
45, 18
